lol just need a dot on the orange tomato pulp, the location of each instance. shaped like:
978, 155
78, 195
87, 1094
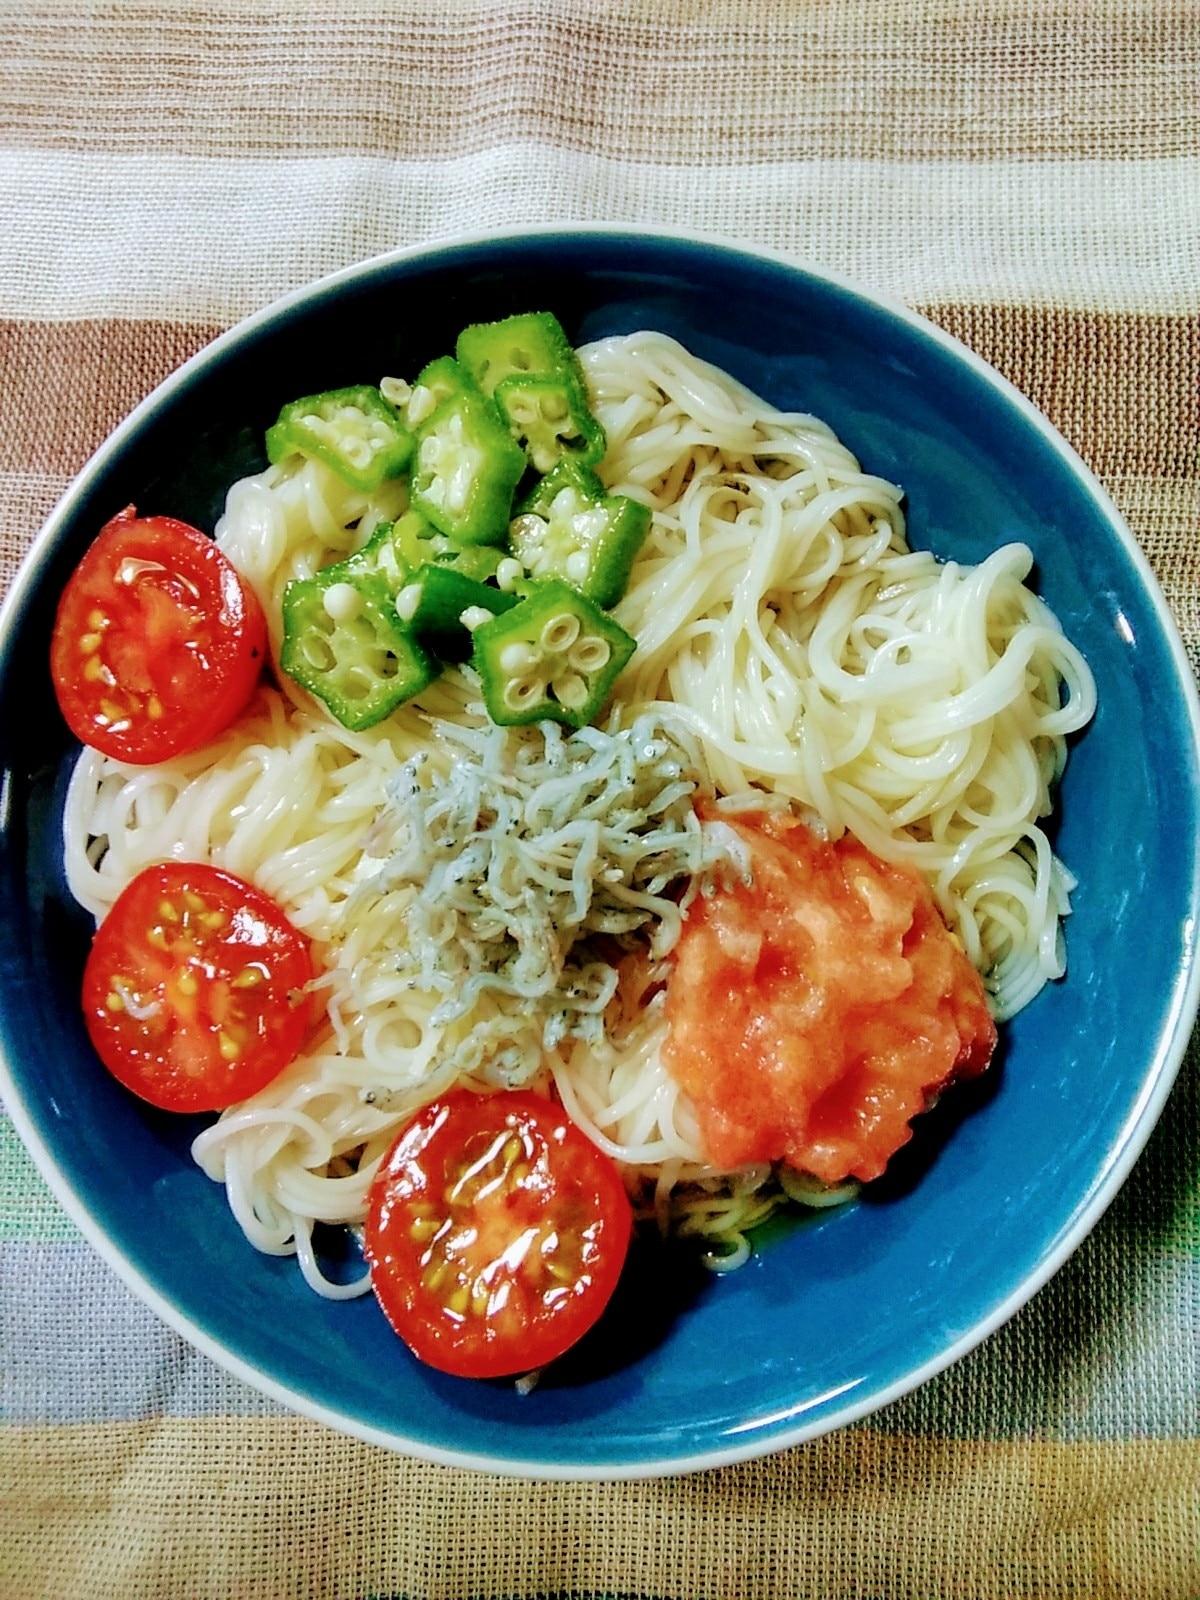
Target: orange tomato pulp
818, 1009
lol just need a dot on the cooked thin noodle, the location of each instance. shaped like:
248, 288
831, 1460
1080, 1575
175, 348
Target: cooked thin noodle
778, 609
785, 628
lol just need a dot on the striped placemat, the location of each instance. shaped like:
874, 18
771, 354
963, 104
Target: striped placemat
1027, 172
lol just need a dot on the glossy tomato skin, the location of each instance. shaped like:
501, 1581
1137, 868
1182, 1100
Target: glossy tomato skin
496, 1233
157, 643
195, 990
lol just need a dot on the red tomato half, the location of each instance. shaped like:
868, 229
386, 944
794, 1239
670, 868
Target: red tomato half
496, 1232
157, 644
194, 991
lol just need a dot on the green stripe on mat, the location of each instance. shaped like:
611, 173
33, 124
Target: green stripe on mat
29, 1213
267, 1507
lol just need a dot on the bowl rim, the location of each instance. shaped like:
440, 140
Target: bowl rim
765, 1435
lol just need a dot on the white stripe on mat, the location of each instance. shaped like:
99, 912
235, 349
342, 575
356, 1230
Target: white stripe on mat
103, 234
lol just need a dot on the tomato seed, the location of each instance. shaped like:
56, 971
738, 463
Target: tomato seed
90, 643
187, 984
230, 1051
168, 911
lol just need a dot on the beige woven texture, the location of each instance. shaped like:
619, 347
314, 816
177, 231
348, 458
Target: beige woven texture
1026, 173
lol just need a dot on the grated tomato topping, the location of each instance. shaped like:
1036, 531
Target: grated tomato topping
815, 1010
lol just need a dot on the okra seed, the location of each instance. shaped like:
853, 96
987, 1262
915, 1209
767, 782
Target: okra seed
528, 527
422, 403
509, 573
565, 504
397, 391
357, 684
407, 601
589, 524
519, 656
561, 632
474, 617
459, 488
570, 690
577, 566
590, 653
317, 652
521, 693
342, 602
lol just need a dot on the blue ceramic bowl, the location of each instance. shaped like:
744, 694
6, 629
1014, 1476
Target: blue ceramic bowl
833, 1318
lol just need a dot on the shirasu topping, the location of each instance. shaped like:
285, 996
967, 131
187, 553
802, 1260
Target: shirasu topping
529, 865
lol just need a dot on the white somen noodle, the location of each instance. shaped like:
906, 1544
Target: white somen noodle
789, 643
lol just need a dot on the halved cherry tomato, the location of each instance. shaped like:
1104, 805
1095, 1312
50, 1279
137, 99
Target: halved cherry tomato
194, 991
157, 644
496, 1232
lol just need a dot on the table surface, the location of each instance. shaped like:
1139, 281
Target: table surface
1025, 172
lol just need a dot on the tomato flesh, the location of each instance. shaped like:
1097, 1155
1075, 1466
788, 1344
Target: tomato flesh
496, 1232
814, 1012
157, 643
194, 993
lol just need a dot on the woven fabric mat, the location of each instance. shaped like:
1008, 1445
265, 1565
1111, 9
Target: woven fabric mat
1027, 172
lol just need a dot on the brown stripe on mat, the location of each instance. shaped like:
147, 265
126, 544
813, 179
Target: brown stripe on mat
26, 500
244, 1506
615, 77
1165, 517
1122, 387
67, 384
